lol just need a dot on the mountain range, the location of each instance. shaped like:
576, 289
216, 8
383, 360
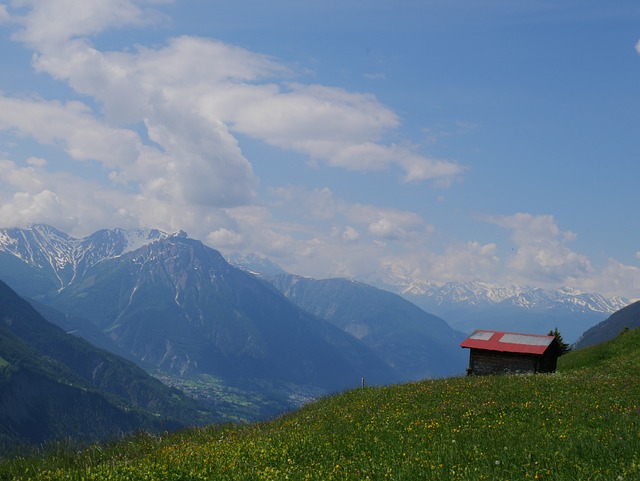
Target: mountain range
178, 309
467, 306
471, 305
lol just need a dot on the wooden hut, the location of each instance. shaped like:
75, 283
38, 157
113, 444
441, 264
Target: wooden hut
496, 352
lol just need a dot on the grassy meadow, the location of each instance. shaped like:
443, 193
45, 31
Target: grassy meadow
581, 423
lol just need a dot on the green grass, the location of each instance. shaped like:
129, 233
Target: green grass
582, 423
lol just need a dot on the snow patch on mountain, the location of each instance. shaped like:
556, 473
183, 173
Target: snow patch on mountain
473, 293
45, 247
481, 294
471, 305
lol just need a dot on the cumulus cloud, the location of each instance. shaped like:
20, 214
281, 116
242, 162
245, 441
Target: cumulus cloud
50, 23
32, 195
322, 204
191, 97
384, 228
72, 126
82, 206
345, 239
457, 261
296, 115
200, 163
217, 85
465, 261
419, 168
638, 46
24, 208
225, 238
206, 166
541, 251
616, 279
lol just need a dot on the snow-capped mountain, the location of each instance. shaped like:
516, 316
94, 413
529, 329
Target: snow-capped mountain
44, 247
481, 294
480, 305
474, 305
470, 293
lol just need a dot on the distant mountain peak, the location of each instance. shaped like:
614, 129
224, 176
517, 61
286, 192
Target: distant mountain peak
45, 247
477, 293
255, 264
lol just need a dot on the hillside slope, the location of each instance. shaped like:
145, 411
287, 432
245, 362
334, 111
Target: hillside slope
416, 343
628, 317
55, 385
179, 306
580, 423
620, 354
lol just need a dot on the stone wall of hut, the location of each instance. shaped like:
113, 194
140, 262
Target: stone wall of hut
492, 362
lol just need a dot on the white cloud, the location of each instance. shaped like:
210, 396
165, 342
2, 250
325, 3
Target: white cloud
322, 205
344, 239
72, 126
23, 208
465, 261
199, 162
225, 239
349, 234
303, 115
419, 168
460, 261
219, 85
191, 96
638, 46
37, 161
4, 14
36, 195
84, 206
358, 157
50, 23
164, 128
541, 252
615, 279
206, 166
384, 228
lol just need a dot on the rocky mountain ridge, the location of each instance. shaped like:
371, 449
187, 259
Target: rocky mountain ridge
49, 249
178, 308
482, 294
67, 256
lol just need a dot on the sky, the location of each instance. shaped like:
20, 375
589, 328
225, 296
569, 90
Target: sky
425, 140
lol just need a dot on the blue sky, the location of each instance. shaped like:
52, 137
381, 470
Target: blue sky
421, 140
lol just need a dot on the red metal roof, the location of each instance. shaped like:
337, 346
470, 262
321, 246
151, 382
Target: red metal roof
508, 342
